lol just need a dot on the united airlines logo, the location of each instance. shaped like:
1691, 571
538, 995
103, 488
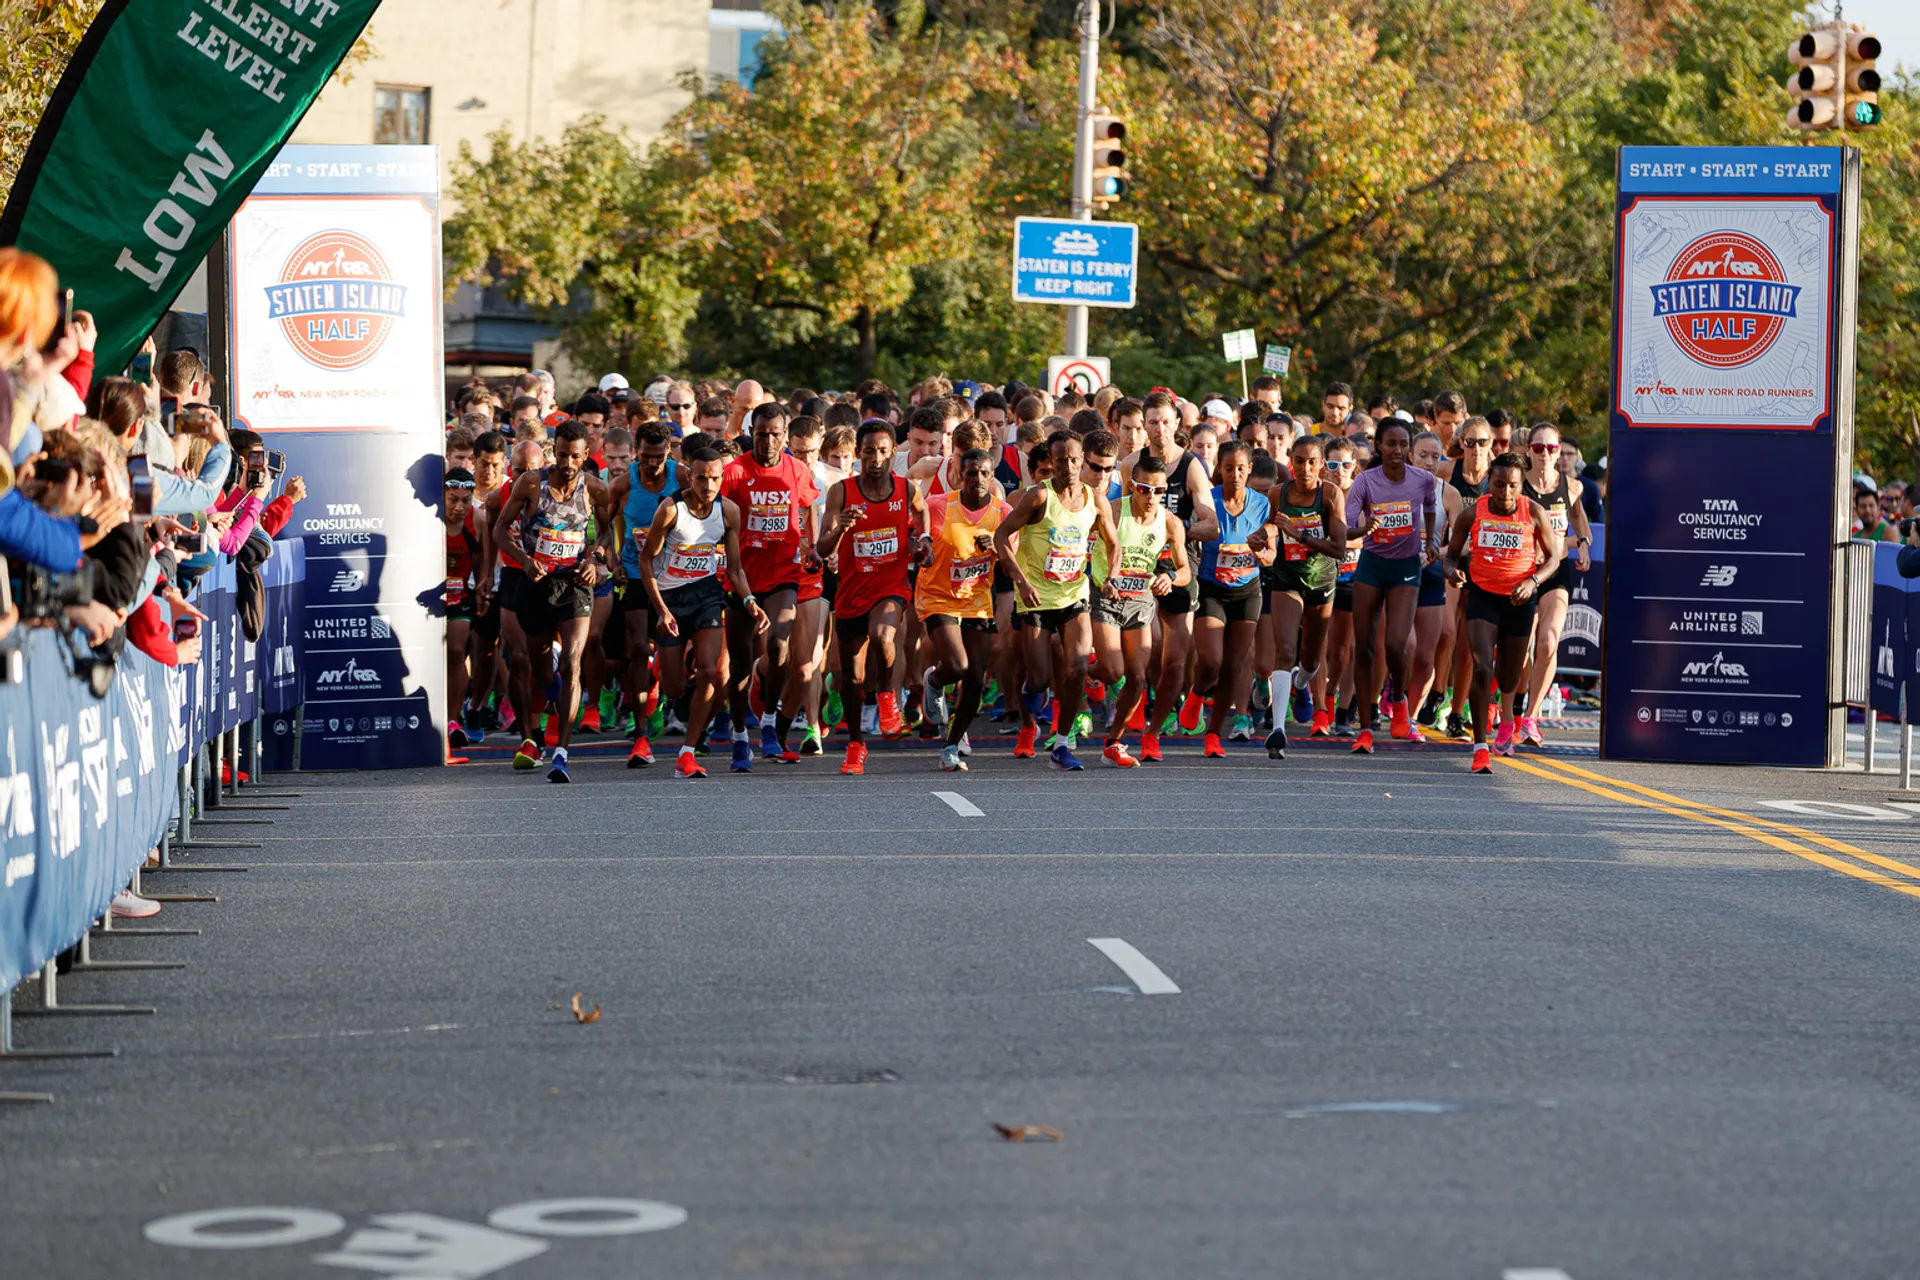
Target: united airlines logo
336, 301
1725, 299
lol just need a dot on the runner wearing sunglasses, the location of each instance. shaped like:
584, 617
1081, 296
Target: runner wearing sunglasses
1468, 480
1309, 512
1342, 462
1559, 494
1395, 505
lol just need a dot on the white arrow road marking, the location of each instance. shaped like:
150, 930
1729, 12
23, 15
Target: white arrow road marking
1534, 1273
960, 804
1144, 973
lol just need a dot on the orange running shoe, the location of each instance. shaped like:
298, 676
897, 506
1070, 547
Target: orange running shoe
1190, 711
1116, 755
1096, 690
642, 754
553, 728
1137, 723
1322, 725
890, 722
856, 761
1363, 743
687, 767
1402, 724
1482, 758
1023, 744
590, 722
1213, 747
1150, 748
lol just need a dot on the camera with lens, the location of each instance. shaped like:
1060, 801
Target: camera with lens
43, 594
1906, 525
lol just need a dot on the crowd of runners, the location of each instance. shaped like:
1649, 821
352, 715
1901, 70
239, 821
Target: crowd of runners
751, 576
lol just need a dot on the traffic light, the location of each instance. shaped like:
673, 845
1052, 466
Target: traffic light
1815, 87
1863, 81
1110, 176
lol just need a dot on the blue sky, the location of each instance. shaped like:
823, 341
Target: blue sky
1896, 22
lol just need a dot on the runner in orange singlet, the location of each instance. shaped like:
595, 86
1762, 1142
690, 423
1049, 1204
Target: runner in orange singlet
954, 597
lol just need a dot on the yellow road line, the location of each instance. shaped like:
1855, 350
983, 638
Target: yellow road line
1812, 837
1694, 813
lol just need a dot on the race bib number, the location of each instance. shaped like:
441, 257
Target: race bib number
966, 574
1308, 526
693, 562
1557, 520
869, 549
1351, 560
1129, 586
1493, 538
456, 590
1395, 521
1235, 565
558, 546
1065, 564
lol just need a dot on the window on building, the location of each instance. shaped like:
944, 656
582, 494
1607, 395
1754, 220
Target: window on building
735, 29
399, 115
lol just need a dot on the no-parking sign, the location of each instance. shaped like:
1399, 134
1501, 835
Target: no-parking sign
1085, 374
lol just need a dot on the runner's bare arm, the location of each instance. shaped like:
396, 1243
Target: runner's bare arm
1177, 541
483, 561
1206, 523
618, 490
601, 498
917, 526
1104, 525
1554, 547
1456, 548
1577, 522
1031, 503
832, 527
730, 519
516, 500
663, 517
1335, 543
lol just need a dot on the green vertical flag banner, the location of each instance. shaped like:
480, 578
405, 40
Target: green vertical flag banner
168, 114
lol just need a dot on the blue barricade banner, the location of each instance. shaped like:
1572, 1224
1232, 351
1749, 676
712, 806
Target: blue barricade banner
1586, 606
87, 791
1894, 599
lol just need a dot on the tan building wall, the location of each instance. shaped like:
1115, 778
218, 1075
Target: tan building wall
533, 66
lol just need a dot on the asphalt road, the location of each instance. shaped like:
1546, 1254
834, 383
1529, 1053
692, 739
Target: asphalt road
1427, 1025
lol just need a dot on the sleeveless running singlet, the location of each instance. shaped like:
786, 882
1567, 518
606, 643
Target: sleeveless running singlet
1300, 567
638, 511
1140, 546
554, 529
1555, 500
1469, 493
959, 578
1502, 547
1228, 561
1179, 500
874, 553
695, 547
1053, 553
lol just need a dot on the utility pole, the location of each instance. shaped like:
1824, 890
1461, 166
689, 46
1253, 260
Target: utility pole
1082, 207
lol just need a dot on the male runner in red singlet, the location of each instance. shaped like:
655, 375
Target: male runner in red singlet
875, 523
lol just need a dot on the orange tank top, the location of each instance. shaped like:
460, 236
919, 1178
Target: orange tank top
1502, 547
959, 578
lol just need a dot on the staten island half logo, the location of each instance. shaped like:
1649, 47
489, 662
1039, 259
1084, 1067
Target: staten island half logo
1725, 299
336, 300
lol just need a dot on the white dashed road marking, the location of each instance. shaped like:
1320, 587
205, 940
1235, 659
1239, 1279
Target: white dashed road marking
1144, 973
960, 804
1534, 1273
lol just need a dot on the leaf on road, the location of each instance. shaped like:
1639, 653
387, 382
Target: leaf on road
1024, 1132
584, 1015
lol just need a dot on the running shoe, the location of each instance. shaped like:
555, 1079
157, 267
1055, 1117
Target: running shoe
590, 720
831, 713
1117, 756
1097, 690
1137, 722
1083, 725
1322, 725
811, 744
1303, 706
629, 725
720, 728
457, 735
1023, 744
742, 761
1212, 747
1529, 730
1456, 728
609, 704
770, 745
1241, 730
870, 719
1190, 712
687, 767
787, 756
1402, 724
1363, 744
1262, 694
1482, 758
1063, 758
966, 746
558, 771
950, 761
553, 728
1277, 742
1150, 748
1343, 723
528, 756
128, 905
1430, 709
657, 724
856, 761
1033, 703
1503, 739
504, 714
641, 756
475, 734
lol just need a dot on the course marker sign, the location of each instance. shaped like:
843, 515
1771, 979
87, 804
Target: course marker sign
1075, 264
1085, 374
1277, 360
1239, 345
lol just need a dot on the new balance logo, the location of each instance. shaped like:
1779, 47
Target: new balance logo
1720, 575
348, 580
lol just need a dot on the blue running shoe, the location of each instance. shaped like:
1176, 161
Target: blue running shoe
720, 728
770, 744
742, 758
558, 771
1033, 703
1064, 758
753, 722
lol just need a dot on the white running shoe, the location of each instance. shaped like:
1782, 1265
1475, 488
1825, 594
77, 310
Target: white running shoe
870, 718
966, 745
950, 760
933, 701
128, 905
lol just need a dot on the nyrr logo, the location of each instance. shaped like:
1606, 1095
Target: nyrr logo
1725, 299
336, 301
350, 674
1714, 666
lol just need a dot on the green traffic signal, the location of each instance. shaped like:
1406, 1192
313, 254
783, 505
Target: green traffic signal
1863, 115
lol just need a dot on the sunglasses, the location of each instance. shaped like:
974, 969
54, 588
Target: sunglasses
1544, 448
1148, 488
680, 405
1341, 464
460, 485
1483, 443
1094, 466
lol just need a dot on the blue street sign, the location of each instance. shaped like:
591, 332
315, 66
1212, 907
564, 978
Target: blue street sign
1086, 264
